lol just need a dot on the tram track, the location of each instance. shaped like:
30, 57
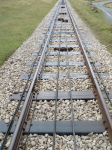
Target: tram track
68, 80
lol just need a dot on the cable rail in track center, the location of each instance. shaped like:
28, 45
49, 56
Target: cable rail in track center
62, 26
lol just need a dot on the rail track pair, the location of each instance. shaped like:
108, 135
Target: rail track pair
62, 29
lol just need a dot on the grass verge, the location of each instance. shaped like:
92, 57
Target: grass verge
18, 20
108, 5
96, 1
95, 21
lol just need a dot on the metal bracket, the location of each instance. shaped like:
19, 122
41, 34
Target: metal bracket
61, 53
62, 127
61, 63
51, 95
62, 75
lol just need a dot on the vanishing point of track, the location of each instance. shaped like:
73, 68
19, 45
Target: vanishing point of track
62, 29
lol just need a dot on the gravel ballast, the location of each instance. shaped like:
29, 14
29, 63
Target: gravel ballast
83, 110
10, 83
89, 142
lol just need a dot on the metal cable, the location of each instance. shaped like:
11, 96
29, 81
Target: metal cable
73, 124
95, 67
24, 144
12, 120
104, 87
23, 93
54, 131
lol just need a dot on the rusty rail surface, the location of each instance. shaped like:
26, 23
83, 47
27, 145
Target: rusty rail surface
26, 107
107, 120
20, 126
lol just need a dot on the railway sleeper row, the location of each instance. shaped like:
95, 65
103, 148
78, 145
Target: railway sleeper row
63, 127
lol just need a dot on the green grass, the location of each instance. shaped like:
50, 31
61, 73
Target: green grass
96, 1
108, 5
95, 21
18, 20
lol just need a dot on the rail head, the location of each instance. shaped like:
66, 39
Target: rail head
26, 107
107, 120
24, 113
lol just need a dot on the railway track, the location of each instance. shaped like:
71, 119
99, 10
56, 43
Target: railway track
62, 42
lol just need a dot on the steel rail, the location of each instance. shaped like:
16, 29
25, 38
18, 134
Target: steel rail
104, 87
24, 113
107, 120
100, 78
22, 119
72, 113
54, 130
18, 105
34, 107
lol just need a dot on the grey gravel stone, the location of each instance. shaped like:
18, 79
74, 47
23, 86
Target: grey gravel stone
33, 143
10, 83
